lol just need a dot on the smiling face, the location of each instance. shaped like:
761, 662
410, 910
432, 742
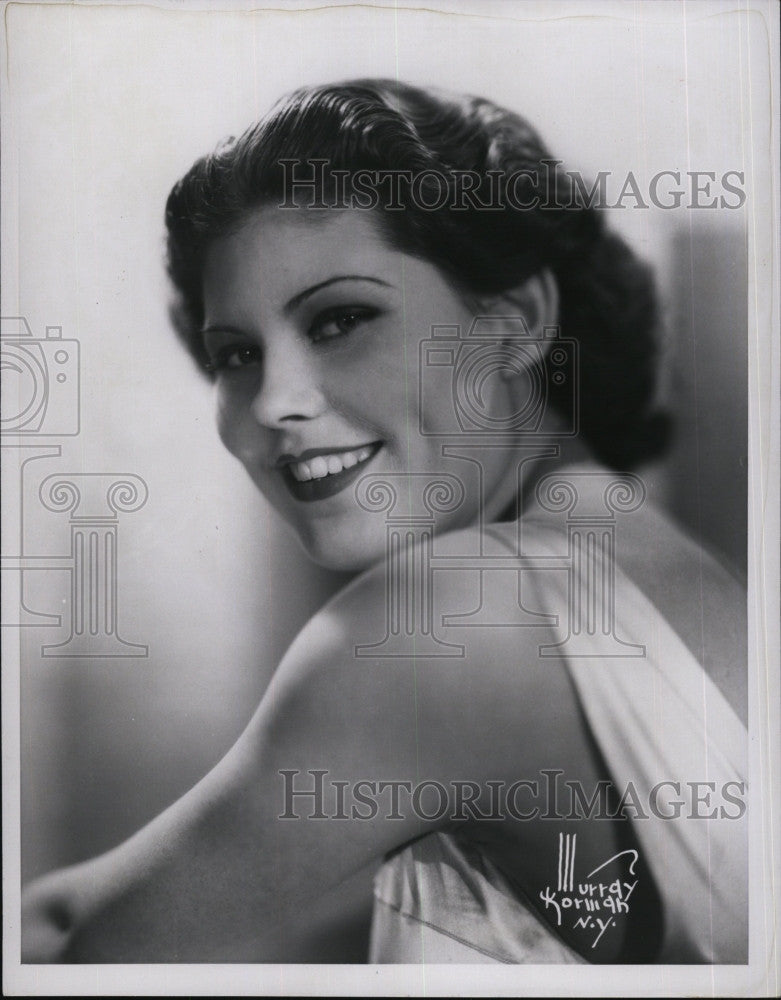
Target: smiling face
313, 326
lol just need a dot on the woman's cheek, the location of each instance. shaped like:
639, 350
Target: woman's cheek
233, 422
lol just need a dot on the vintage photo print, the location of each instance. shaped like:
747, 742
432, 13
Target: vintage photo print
390, 401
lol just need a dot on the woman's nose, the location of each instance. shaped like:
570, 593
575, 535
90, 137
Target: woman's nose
289, 388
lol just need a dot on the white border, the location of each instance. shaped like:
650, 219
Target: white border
762, 975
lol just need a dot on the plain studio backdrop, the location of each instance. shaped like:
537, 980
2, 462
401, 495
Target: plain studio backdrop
106, 107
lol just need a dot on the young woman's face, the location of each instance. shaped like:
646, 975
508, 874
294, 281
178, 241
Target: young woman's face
314, 328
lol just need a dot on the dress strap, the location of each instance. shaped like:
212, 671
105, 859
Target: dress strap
665, 729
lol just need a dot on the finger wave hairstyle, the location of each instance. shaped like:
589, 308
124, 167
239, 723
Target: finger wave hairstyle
608, 303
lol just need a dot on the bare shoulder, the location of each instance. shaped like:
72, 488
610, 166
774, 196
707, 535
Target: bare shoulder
409, 673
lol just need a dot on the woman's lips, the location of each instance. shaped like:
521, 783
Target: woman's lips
311, 479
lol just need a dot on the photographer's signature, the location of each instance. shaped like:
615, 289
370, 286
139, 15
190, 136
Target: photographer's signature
591, 904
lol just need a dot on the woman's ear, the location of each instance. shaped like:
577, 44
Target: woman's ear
536, 300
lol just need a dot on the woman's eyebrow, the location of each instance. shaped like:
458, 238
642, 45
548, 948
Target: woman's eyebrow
221, 328
298, 299
293, 303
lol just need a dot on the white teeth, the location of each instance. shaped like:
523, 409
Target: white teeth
319, 467
328, 465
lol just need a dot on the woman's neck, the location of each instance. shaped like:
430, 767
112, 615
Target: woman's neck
569, 451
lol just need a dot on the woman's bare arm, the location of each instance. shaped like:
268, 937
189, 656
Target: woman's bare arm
220, 876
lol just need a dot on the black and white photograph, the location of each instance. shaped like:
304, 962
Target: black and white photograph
390, 461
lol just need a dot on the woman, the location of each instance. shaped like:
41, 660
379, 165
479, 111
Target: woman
319, 260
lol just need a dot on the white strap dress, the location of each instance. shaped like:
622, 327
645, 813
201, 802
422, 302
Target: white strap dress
656, 718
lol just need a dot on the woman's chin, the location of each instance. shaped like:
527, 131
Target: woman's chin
343, 550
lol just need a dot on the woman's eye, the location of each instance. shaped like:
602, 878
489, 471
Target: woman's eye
231, 358
339, 322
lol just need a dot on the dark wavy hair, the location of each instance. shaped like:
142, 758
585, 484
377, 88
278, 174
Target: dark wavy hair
608, 301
